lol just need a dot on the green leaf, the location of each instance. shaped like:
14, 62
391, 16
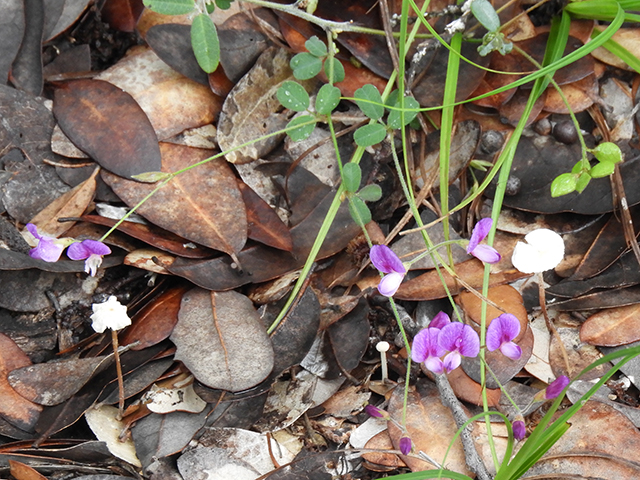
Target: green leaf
608, 152
563, 184
602, 169
293, 96
394, 120
368, 135
303, 131
316, 47
327, 99
170, 7
485, 14
370, 93
582, 182
211, 7
151, 177
370, 193
351, 177
338, 70
224, 4
577, 168
305, 66
205, 43
359, 211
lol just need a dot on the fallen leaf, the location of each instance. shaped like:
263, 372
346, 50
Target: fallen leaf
612, 327
24, 472
102, 422
202, 204
221, 340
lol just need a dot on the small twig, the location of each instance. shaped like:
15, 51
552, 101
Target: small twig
550, 325
449, 399
114, 339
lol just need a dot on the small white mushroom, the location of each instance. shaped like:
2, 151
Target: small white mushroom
383, 348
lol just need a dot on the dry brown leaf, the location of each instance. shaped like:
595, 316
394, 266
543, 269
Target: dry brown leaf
612, 327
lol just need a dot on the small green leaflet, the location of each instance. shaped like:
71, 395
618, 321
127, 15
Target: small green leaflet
368, 135
316, 47
170, 7
394, 119
338, 70
327, 99
205, 43
351, 176
485, 14
293, 96
303, 131
305, 66
370, 193
359, 211
371, 94
563, 184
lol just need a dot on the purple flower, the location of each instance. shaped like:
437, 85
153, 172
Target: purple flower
387, 262
501, 332
374, 411
556, 387
459, 340
91, 251
405, 445
519, 429
440, 320
49, 248
427, 349
482, 252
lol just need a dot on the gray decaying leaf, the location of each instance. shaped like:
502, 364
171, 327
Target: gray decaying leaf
221, 340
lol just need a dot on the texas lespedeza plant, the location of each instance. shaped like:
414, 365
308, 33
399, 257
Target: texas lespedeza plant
441, 346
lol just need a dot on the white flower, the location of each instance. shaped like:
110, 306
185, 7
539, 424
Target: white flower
110, 314
543, 251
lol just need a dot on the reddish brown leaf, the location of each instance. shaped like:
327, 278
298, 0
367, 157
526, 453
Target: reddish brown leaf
109, 125
612, 327
468, 390
24, 472
14, 408
155, 321
202, 204
264, 224
155, 236
122, 14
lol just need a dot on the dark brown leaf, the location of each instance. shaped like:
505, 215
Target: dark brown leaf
109, 125
202, 204
26, 71
349, 336
122, 14
241, 43
221, 339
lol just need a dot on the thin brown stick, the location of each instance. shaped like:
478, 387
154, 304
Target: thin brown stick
550, 325
114, 340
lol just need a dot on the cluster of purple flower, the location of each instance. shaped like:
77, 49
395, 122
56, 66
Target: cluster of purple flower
50, 249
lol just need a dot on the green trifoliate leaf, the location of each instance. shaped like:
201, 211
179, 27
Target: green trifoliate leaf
316, 47
293, 96
370, 193
305, 66
395, 121
583, 181
170, 7
564, 184
351, 177
368, 135
327, 99
370, 93
608, 152
485, 14
602, 169
205, 43
151, 177
359, 211
303, 131
338, 70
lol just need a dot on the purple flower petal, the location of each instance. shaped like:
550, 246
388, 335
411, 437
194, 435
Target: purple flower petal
33, 230
405, 445
48, 249
556, 387
440, 320
452, 361
450, 335
385, 260
376, 412
519, 429
486, 254
501, 330
82, 250
435, 365
390, 283
511, 350
480, 232
426, 346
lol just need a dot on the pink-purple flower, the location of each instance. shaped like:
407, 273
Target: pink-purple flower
91, 251
385, 260
500, 334
49, 248
440, 320
554, 389
519, 429
427, 350
374, 411
482, 252
405, 445
459, 340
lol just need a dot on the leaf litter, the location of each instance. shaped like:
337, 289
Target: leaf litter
198, 363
